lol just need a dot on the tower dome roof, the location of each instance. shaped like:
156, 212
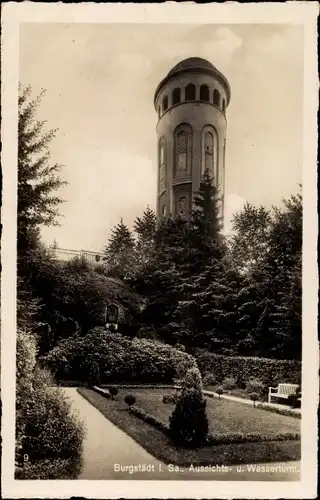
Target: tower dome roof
192, 62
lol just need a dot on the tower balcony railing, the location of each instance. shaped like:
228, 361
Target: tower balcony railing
187, 179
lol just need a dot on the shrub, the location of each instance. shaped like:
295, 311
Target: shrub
192, 380
254, 396
113, 391
46, 427
94, 374
293, 400
271, 372
130, 399
188, 422
255, 385
121, 360
208, 379
229, 383
170, 398
219, 391
241, 383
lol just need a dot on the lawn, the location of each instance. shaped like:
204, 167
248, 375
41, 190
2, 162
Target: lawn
231, 418
224, 416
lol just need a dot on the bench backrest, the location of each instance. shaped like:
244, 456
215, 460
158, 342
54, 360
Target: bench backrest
287, 388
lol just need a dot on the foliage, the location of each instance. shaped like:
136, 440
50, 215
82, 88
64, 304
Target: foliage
120, 252
229, 383
188, 422
38, 180
50, 469
270, 301
120, 359
130, 399
254, 396
280, 411
249, 243
271, 372
113, 391
46, 427
257, 386
170, 398
73, 300
208, 378
219, 391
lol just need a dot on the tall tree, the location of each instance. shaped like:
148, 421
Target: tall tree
264, 324
250, 240
202, 252
38, 178
119, 253
145, 226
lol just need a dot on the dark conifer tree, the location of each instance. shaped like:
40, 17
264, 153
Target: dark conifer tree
145, 226
119, 253
38, 180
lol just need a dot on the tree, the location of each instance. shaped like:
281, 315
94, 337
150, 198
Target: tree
119, 253
264, 299
38, 179
287, 317
250, 240
202, 251
145, 226
188, 422
205, 214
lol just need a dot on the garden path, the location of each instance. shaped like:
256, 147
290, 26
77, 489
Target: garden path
106, 445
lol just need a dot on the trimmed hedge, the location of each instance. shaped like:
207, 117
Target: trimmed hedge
117, 358
271, 372
149, 419
281, 411
250, 438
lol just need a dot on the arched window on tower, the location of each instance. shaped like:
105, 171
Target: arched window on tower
209, 140
224, 105
204, 93
182, 154
165, 103
190, 92
183, 150
162, 165
164, 211
216, 98
182, 205
176, 96
208, 152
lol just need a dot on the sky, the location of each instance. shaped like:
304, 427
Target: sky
100, 81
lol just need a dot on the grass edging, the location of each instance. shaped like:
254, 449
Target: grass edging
149, 419
219, 439
281, 411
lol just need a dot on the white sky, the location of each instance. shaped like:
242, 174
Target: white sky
100, 81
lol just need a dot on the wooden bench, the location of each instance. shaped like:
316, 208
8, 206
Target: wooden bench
282, 391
